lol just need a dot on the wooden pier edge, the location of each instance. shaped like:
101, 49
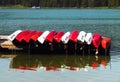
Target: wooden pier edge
5, 43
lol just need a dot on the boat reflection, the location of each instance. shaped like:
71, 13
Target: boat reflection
58, 62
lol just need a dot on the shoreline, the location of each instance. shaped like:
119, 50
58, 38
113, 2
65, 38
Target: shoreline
24, 7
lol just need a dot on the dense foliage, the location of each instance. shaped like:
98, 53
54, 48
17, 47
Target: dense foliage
62, 3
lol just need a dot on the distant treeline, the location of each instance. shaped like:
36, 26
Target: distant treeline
62, 3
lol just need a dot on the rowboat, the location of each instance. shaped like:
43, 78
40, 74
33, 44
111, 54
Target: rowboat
96, 40
20, 36
14, 34
28, 36
105, 42
81, 36
88, 38
35, 37
73, 36
58, 36
65, 38
42, 38
49, 37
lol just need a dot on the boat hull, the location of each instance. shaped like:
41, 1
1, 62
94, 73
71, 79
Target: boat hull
65, 38
35, 37
88, 38
50, 36
58, 37
26, 38
105, 42
81, 36
20, 36
73, 36
96, 40
42, 38
14, 34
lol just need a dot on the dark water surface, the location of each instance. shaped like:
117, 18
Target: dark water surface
16, 67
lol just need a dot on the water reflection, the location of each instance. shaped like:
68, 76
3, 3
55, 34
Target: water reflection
56, 62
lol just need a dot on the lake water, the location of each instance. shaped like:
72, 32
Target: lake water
23, 67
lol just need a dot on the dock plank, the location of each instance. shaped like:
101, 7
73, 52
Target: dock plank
6, 43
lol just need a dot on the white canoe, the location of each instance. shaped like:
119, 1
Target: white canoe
81, 36
41, 39
14, 34
88, 38
65, 38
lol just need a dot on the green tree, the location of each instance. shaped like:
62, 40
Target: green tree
84, 3
91, 3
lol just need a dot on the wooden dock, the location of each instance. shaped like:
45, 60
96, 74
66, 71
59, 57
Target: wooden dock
5, 43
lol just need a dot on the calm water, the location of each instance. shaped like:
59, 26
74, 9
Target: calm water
16, 67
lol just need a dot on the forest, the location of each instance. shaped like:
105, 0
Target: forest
63, 3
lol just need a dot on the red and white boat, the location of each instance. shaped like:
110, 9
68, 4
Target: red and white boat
58, 36
28, 36
65, 38
49, 37
42, 38
35, 37
73, 36
14, 34
20, 36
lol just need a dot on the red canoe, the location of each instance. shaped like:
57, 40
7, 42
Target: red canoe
58, 36
28, 36
50, 36
96, 40
105, 42
20, 36
35, 37
73, 36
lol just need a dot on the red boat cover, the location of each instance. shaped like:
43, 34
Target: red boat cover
50, 36
35, 37
20, 36
73, 36
105, 42
58, 36
96, 40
